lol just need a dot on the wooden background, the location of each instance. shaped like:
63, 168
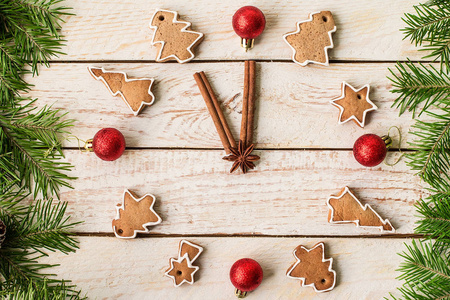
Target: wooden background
174, 152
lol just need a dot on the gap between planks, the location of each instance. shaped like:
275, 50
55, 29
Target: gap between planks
244, 235
259, 149
205, 61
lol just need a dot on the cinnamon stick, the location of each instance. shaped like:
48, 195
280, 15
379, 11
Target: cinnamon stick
251, 104
215, 111
244, 118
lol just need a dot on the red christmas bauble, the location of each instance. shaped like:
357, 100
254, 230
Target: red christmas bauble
108, 144
249, 22
370, 150
246, 274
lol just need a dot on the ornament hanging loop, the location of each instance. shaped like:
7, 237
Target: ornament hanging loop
88, 145
240, 294
247, 44
388, 140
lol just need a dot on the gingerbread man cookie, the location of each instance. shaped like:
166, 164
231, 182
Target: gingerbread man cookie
134, 215
135, 92
312, 269
354, 104
346, 208
182, 270
173, 36
312, 39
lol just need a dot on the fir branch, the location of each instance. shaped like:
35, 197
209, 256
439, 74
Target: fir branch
428, 22
45, 226
20, 267
426, 272
36, 152
40, 291
419, 86
30, 230
435, 217
430, 27
431, 156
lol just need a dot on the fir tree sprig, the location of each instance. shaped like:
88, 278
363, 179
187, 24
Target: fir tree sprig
431, 157
31, 158
420, 87
426, 272
31, 229
434, 219
426, 265
41, 292
32, 139
429, 27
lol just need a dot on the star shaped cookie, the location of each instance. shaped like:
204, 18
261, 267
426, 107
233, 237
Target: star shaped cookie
353, 104
181, 270
134, 215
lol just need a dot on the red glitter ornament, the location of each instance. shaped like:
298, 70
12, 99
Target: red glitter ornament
248, 23
108, 144
370, 149
246, 275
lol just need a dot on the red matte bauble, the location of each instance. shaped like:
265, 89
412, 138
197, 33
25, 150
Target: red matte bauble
246, 274
108, 144
370, 150
249, 22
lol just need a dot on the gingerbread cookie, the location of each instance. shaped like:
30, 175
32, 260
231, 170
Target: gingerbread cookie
134, 215
173, 36
312, 268
354, 104
346, 208
135, 92
182, 270
312, 39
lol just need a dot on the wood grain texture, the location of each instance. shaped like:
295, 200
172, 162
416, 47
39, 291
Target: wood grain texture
109, 268
285, 195
292, 104
118, 29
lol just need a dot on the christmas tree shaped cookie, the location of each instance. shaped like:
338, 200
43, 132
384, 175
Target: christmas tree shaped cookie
134, 215
353, 104
346, 208
312, 39
173, 36
135, 92
313, 269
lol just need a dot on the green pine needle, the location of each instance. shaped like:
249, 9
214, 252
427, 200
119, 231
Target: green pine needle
40, 291
426, 272
31, 157
36, 152
434, 219
429, 27
431, 156
31, 229
419, 87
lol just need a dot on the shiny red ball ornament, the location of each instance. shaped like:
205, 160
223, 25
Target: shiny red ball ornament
108, 144
370, 149
248, 23
246, 275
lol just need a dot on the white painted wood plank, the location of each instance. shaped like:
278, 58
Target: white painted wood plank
293, 109
108, 268
118, 29
285, 195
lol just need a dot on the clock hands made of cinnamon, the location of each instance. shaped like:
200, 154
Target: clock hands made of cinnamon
239, 154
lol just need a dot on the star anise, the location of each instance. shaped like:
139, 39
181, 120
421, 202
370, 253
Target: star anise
242, 157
